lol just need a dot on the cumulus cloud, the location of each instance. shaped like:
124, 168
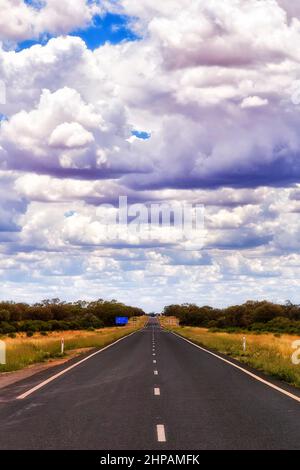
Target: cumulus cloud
70, 135
213, 85
253, 102
231, 117
66, 136
12, 207
215, 33
22, 20
209, 112
291, 8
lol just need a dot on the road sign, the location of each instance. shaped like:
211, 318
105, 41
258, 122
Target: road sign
121, 320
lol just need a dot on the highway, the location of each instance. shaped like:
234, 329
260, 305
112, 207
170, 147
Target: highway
151, 390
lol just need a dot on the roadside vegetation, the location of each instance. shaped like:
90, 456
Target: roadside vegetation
268, 352
251, 316
55, 315
270, 330
22, 351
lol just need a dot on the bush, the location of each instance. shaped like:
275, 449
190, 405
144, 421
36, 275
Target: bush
54, 315
256, 316
266, 311
6, 328
4, 315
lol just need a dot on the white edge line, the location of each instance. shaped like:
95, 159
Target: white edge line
254, 376
45, 382
161, 434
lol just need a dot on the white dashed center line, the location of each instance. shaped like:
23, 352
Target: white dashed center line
155, 372
156, 391
154, 361
161, 434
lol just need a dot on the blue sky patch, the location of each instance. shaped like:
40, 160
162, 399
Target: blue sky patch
110, 28
69, 214
141, 134
32, 42
37, 4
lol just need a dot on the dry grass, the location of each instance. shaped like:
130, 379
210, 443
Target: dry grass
266, 352
22, 351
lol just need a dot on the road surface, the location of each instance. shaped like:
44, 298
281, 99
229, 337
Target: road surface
152, 390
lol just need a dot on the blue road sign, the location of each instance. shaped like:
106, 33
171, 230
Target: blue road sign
121, 320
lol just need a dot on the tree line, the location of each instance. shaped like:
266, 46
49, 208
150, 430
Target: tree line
53, 315
252, 315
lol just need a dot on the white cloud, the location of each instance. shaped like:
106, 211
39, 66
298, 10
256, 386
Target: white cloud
291, 8
70, 135
254, 102
211, 81
63, 132
20, 21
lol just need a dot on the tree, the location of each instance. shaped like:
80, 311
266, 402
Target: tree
4, 315
266, 311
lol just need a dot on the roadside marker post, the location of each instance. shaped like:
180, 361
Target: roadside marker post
244, 343
62, 346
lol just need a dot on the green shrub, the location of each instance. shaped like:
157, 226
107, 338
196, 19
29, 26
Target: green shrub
6, 328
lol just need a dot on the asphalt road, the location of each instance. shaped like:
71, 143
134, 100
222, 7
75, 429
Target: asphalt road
120, 399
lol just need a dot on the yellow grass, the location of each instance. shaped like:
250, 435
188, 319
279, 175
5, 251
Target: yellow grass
23, 351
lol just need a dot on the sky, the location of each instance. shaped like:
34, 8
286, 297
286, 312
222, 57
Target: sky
172, 102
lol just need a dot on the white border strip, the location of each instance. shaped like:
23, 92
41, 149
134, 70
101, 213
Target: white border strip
254, 376
59, 374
